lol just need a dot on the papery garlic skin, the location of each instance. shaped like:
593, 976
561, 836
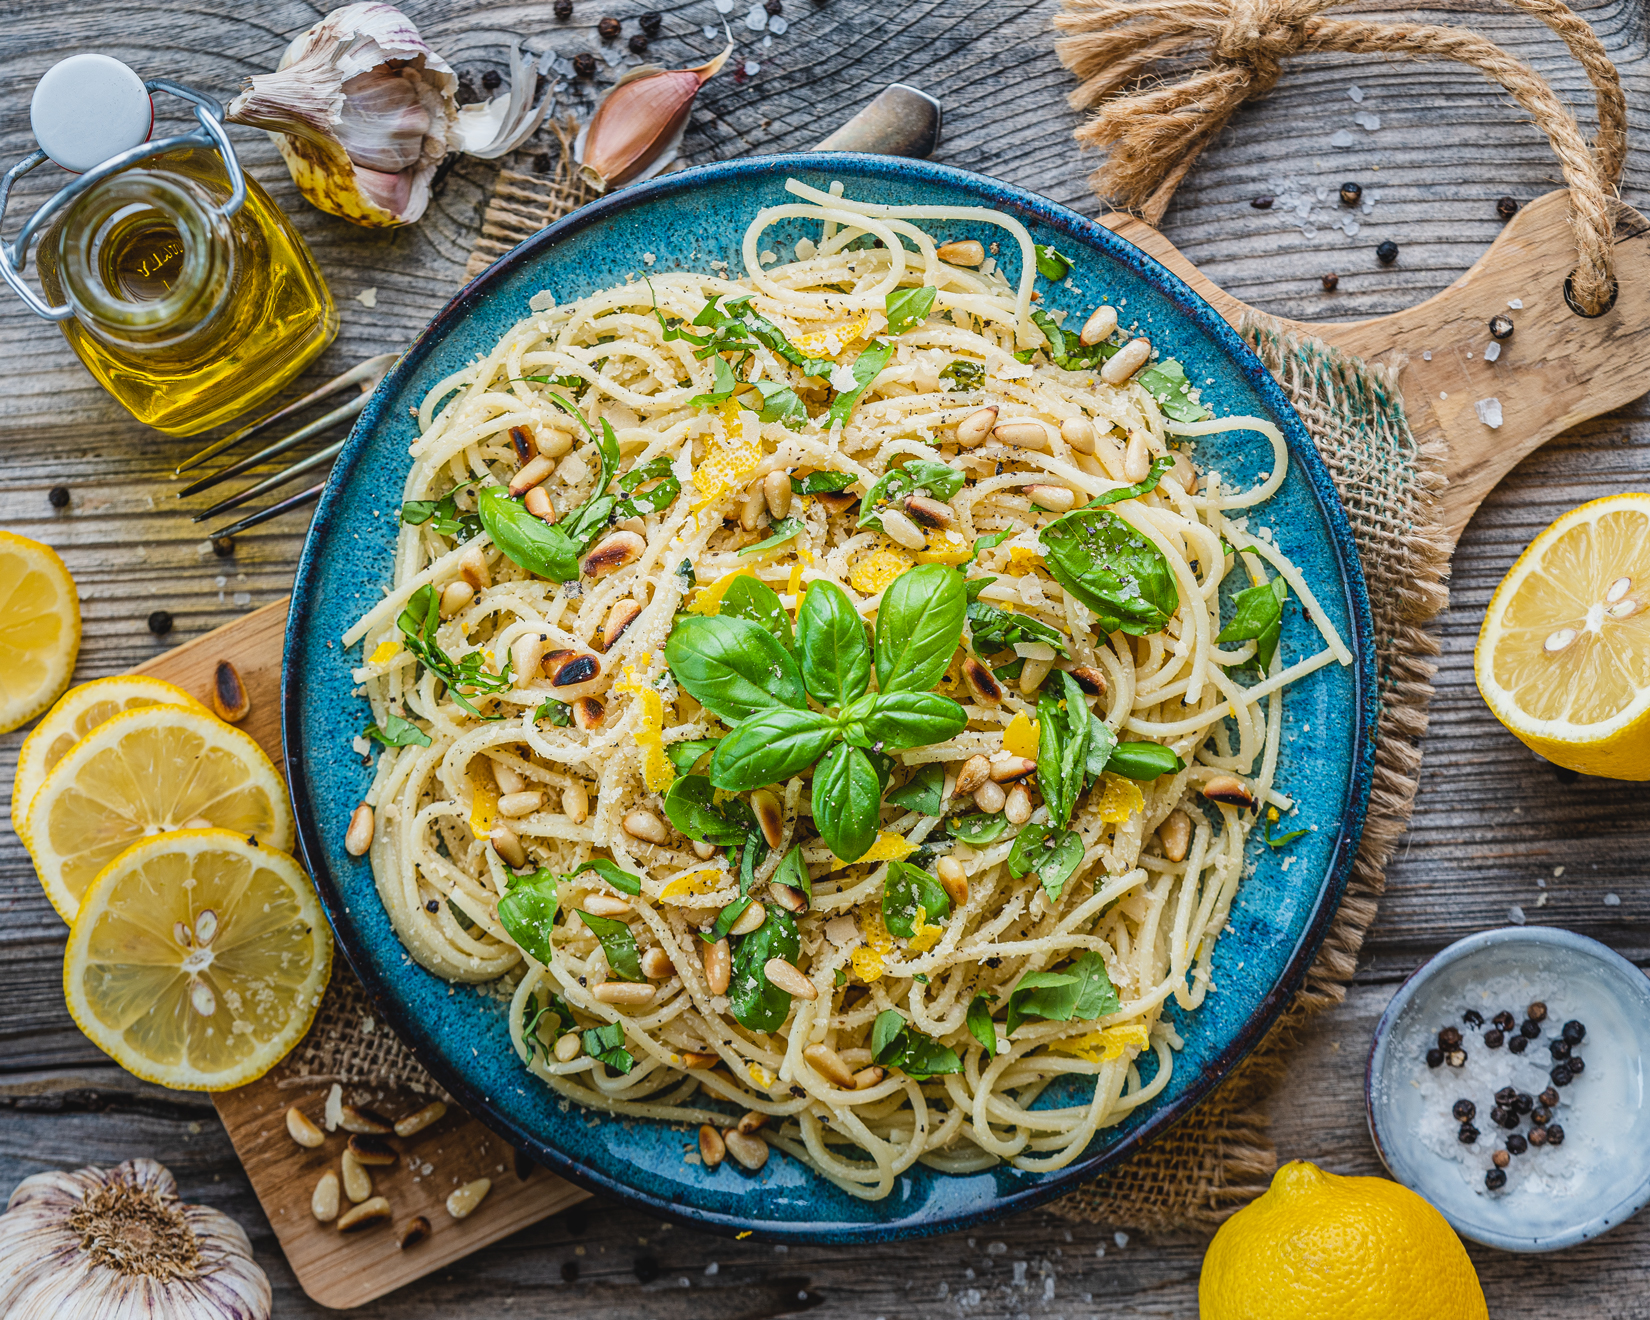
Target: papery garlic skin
638, 127
47, 1274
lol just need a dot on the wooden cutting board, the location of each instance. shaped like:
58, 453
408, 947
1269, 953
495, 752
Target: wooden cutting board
1557, 369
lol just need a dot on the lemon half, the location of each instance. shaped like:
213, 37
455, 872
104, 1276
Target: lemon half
139, 774
39, 629
198, 959
1563, 658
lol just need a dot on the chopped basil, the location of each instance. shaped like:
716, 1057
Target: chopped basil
895, 1043
606, 1044
1052, 265
924, 792
1081, 991
397, 732
618, 944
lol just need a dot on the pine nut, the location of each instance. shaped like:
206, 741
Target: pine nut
982, 682
769, 816
358, 1118
532, 472
555, 444
976, 770
1056, 499
462, 1201
229, 698
619, 617
420, 1119
752, 1120
575, 802
1175, 834
605, 905
357, 1181
700, 1059
973, 429
1033, 673
829, 1065
962, 252
719, 965
1078, 432
588, 713
657, 966
526, 654
1126, 361
508, 780
472, 567
1090, 679
712, 1149
507, 845
902, 530
989, 797
1184, 473
703, 850
749, 1150
792, 900
365, 1215
456, 596
866, 1078
569, 1046
776, 489
371, 1150
750, 919
1011, 768
358, 838
624, 992
750, 512
953, 879
570, 669
644, 825
1026, 432
1230, 790
516, 805
301, 1129
1100, 325
928, 512
525, 446
1137, 459
837, 501
537, 502
612, 553
414, 1231
324, 1200
789, 979
1017, 806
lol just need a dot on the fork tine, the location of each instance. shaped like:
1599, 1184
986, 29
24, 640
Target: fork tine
339, 414
273, 511
285, 475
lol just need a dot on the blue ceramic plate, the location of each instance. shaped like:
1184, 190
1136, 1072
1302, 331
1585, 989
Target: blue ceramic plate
686, 221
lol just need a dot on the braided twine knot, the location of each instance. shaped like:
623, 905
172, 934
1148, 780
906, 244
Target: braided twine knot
1154, 129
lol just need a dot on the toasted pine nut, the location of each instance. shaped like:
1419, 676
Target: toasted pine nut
866, 1078
1175, 834
612, 553
472, 567
700, 1059
1033, 673
989, 797
1026, 432
368, 1213
605, 905
622, 614
414, 1231
752, 1120
829, 1065
792, 900
837, 501
982, 682
657, 966
1184, 473
525, 445
1011, 768
324, 1200
301, 1129
719, 965
537, 502
962, 252
532, 472
929, 512
357, 1181
953, 879
1231, 790
750, 512
901, 529
646, 826
712, 1149
973, 429
976, 770
569, 1046
750, 919
1017, 806
515, 805
229, 696
507, 845
789, 979
624, 992
588, 712
358, 1118
370, 1150
1057, 499
1126, 361
1102, 321
508, 780
1090, 679
750, 1150
526, 654
554, 444
462, 1201
769, 816
1137, 459
570, 669
575, 802
420, 1119
455, 596
776, 488
703, 850
358, 838
1078, 432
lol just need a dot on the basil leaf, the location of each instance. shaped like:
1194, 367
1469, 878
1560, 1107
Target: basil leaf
907, 889
533, 1012
606, 1044
686, 576
846, 795
527, 911
1166, 382
983, 543
559, 713
726, 918
991, 630
1102, 743
887, 1036
691, 806
1081, 991
1062, 748
542, 548
909, 307
618, 944
1144, 760
659, 498
724, 383
980, 1025
836, 658
443, 515
1145, 486
919, 624
418, 623
1113, 569
979, 829
612, 872
733, 667
793, 873
770, 746
896, 1044
867, 367
1051, 265
685, 755
1259, 618
781, 404
924, 792
940, 480
900, 720
964, 374
751, 598
822, 483
786, 529
1053, 853
757, 1003
397, 732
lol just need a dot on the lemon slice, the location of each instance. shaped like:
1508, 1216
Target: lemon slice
153, 769
77, 713
198, 959
39, 629
1563, 658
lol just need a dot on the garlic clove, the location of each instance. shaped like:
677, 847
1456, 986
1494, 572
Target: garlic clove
489, 129
638, 127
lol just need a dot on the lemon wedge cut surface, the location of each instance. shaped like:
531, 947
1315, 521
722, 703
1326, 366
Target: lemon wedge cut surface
39, 629
77, 713
142, 773
198, 959
1563, 658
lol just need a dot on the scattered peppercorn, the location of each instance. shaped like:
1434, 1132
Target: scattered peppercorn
1495, 1180
58, 497
1555, 1135
223, 546
1386, 253
775, 6
1507, 207
1501, 327
1541, 1115
1538, 1136
1494, 1038
1473, 1018
570, 1271
1516, 1145
432, 906
1449, 1037
542, 164
1351, 193
584, 64
160, 623
466, 93
638, 43
607, 28
491, 79
1523, 1103
651, 23
646, 1269
1529, 1029
1574, 1032
1435, 1057
1506, 1095
1262, 203
1501, 1158
1331, 281
1561, 1075
1505, 1020
1456, 1058
1560, 1049
1578, 1065
564, 9
1508, 1116
1536, 1012
1465, 1110
1518, 1044
1548, 1098
1467, 1135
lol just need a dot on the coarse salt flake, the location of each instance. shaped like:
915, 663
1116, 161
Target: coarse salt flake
1489, 412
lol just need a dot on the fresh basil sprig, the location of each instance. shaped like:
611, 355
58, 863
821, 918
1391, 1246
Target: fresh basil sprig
1113, 569
822, 483
909, 307
559, 713
1081, 991
418, 622
751, 598
1144, 761
1053, 853
1145, 486
780, 403
635, 504
527, 911
1068, 351
911, 898
533, 1012
979, 829
895, 1043
991, 630
756, 1002
867, 367
1259, 618
940, 480
1052, 265
397, 732
692, 808
685, 755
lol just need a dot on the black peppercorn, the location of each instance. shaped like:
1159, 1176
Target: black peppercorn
1523, 1103
1509, 1117
651, 23
1536, 1012
466, 93
1449, 1037
775, 6
1560, 1049
58, 497
638, 43
584, 64
570, 1271
1561, 1075
1501, 1158
1473, 1018
1516, 1145
491, 79
1467, 1135
1538, 1135
1505, 1020
1435, 1057
1387, 253
432, 906
1518, 1044
1541, 1114
1262, 203
1495, 1179
608, 28
1456, 1058
1555, 1135
1501, 327
1507, 207
1529, 1029
646, 1269
564, 9
223, 546
1574, 1032
1578, 1065
1506, 1095
1331, 282
1464, 1110
1493, 1038
1351, 193
1548, 1098
160, 623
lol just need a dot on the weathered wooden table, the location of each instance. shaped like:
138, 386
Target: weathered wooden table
1494, 827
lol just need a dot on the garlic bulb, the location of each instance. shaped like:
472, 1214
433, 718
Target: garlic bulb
116, 1242
639, 124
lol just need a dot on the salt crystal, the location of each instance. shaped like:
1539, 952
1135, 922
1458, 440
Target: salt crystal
752, 68
766, 42
777, 25
1427, 356
724, 6
1322, 193
1612, 900
1020, 1273
1121, 1238
714, 1268
1489, 412
757, 19
1356, 93
367, 297
1491, 352
1369, 121
711, 33
1517, 304
1340, 138
648, 258
1515, 914
1443, 394
1350, 225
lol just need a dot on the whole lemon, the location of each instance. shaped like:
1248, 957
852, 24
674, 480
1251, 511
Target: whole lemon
1317, 1246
